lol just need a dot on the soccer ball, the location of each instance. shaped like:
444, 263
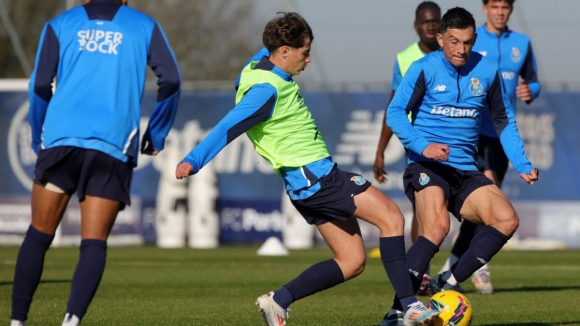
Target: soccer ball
454, 309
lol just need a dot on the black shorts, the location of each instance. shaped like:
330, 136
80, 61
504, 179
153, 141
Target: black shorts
492, 157
456, 184
334, 200
88, 172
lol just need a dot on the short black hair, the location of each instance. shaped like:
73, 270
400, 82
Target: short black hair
510, 2
288, 28
457, 18
426, 5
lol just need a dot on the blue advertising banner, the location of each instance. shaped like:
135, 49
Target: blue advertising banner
350, 124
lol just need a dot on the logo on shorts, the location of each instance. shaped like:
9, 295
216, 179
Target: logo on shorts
476, 89
424, 179
358, 180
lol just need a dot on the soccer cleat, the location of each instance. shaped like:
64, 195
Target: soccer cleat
424, 288
418, 314
438, 285
273, 314
458, 288
482, 281
15, 322
396, 319
70, 320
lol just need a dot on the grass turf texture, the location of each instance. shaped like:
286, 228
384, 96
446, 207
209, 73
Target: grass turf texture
150, 286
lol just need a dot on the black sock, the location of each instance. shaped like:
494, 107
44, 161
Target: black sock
29, 265
87, 276
467, 231
395, 264
316, 278
483, 247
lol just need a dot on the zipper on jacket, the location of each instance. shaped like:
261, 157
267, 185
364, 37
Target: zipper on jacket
458, 89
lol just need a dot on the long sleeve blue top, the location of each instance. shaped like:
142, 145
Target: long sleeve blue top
98, 53
446, 103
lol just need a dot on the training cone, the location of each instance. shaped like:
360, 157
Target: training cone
272, 247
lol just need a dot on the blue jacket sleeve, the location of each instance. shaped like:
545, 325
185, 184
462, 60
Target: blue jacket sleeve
504, 122
529, 73
40, 88
163, 63
255, 107
397, 76
408, 98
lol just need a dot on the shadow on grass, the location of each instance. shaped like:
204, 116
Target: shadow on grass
42, 281
534, 289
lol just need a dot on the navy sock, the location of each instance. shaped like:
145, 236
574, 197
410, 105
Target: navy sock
87, 276
283, 297
467, 231
418, 258
318, 277
483, 247
29, 265
395, 264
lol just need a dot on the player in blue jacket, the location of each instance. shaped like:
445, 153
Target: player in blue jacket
446, 92
86, 134
513, 53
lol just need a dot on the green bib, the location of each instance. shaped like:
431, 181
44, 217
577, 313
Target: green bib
289, 138
408, 56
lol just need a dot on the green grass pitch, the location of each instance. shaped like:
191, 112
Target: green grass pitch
150, 286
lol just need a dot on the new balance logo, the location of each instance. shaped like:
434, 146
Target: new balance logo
440, 88
481, 260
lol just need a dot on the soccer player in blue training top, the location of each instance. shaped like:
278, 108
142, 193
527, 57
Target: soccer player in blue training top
513, 53
446, 92
271, 111
427, 23
86, 135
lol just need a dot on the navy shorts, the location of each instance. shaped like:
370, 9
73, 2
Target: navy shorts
492, 156
456, 184
88, 172
334, 200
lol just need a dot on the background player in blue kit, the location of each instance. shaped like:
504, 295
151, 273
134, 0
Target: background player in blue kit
427, 23
513, 53
86, 135
446, 92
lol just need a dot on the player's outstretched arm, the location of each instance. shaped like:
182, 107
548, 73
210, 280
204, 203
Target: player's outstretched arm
531, 177
386, 134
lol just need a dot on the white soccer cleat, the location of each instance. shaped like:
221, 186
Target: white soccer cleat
482, 281
418, 314
15, 322
70, 320
273, 314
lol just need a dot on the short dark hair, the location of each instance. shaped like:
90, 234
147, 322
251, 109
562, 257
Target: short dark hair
510, 2
426, 5
288, 28
457, 18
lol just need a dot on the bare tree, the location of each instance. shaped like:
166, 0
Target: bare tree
211, 38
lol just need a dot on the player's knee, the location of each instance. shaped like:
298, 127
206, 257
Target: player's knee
353, 268
508, 221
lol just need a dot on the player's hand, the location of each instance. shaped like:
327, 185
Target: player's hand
380, 173
183, 170
523, 91
437, 152
530, 178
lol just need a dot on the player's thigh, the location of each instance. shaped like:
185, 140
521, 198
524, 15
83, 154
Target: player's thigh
98, 217
489, 206
48, 207
432, 214
379, 210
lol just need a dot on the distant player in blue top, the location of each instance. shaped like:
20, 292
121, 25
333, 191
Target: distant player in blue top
86, 134
271, 111
513, 53
426, 24
446, 92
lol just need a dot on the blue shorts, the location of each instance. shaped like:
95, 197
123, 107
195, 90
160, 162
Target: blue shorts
492, 157
334, 200
457, 184
88, 172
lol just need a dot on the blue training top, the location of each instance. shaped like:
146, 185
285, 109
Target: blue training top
99, 53
513, 53
257, 106
446, 104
